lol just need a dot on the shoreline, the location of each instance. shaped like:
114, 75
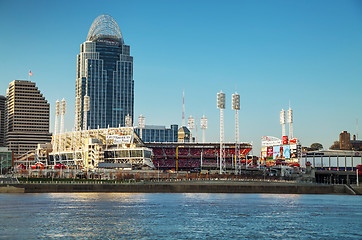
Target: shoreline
184, 187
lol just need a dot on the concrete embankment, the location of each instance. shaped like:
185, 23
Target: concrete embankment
189, 187
11, 189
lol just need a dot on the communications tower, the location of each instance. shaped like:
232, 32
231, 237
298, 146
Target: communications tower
221, 106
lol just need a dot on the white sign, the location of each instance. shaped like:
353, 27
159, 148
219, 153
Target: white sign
117, 139
268, 141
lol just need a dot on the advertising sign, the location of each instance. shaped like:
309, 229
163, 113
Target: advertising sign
285, 140
293, 140
119, 139
264, 152
293, 151
276, 152
286, 151
268, 141
269, 153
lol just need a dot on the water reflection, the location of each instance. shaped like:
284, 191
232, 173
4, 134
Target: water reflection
180, 216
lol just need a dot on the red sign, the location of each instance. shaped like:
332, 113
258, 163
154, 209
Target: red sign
285, 140
269, 152
293, 140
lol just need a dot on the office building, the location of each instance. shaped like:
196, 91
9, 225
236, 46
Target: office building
2, 120
105, 76
27, 119
153, 133
184, 135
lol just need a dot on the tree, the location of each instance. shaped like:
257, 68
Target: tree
335, 145
316, 146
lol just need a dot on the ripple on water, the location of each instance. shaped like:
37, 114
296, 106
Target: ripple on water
180, 216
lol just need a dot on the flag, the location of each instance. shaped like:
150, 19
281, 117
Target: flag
30, 73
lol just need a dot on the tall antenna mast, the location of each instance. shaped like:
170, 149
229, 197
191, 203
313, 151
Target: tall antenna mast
183, 108
221, 106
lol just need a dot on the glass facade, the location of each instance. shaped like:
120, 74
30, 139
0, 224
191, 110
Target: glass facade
105, 74
158, 133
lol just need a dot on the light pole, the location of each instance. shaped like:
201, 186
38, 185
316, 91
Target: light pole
221, 106
128, 121
203, 123
141, 124
191, 124
235, 105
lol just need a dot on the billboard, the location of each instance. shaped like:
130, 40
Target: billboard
276, 152
264, 152
120, 139
286, 151
269, 153
285, 140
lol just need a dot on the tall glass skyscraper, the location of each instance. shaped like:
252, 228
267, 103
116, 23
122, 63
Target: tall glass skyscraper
105, 75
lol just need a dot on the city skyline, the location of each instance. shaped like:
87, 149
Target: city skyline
270, 52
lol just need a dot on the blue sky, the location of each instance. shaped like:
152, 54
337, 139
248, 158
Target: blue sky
270, 52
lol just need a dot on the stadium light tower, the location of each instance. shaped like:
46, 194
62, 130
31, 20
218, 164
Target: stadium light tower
141, 124
290, 121
235, 105
78, 107
191, 124
57, 113
221, 106
203, 123
85, 110
63, 111
282, 121
128, 121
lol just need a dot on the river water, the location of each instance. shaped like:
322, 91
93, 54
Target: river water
179, 216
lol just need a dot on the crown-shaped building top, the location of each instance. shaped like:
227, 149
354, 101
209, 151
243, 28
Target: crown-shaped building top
104, 26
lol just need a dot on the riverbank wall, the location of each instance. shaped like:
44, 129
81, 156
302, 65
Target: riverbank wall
189, 187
